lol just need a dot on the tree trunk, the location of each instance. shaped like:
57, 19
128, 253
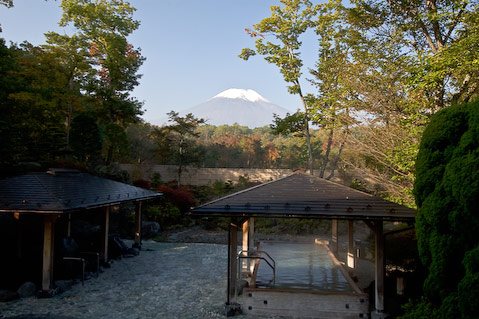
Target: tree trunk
306, 129
335, 163
326, 156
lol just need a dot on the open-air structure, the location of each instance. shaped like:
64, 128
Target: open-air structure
55, 196
302, 196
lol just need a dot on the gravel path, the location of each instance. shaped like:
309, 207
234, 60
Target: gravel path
167, 280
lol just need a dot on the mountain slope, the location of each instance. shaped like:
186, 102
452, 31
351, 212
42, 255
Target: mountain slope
245, 107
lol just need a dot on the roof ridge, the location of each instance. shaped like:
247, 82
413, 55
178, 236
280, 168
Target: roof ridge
47, 189
246, 190
341, 185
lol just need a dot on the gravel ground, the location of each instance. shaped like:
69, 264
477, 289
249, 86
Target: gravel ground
167, 280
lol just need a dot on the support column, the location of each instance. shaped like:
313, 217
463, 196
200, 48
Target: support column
334, 236
106, 230
232, 262
48, 252
379, 277
248, 244
251, 242
245, 262
351, 254
137, 243
69, 225
19, 235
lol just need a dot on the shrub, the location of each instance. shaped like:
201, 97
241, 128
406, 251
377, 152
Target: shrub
447, 195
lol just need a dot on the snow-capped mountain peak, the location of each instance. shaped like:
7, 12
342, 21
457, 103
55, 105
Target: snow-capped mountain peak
248, 95
244, 107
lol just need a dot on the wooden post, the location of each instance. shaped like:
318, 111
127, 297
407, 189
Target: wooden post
245, 248
379, 277
334, 236
19, 235
106, 230
232, 270
48, 252
251, 242
351, 254
69, 225
137, 225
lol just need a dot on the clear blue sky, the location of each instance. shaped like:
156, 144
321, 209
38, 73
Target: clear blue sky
191, 47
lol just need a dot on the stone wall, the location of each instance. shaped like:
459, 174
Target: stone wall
205, 176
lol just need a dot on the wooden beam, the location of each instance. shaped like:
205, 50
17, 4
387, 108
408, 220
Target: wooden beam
106, 230
48, 251
334, 236
138, 224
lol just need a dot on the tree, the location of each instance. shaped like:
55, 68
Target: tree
142, 147
425, 37
104, 26
33, 104
179, 137
71, 53
447, 223
286, 25
86, 139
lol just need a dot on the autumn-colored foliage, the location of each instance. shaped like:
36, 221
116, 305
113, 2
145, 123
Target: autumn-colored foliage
181, 198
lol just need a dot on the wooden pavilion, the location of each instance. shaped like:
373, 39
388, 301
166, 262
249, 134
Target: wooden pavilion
59, 193
304, 196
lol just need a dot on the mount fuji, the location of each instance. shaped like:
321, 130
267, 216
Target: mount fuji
245, 107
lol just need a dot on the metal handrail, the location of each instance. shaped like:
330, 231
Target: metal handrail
254, 255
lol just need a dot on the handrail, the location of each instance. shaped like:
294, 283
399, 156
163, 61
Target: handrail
254, 255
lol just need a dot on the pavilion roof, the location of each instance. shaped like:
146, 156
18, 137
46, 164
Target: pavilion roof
60, 190
305, 196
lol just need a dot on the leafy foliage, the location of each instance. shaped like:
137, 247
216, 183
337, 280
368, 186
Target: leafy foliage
179, 138
85, 138
285, 25
90, 73
447, 194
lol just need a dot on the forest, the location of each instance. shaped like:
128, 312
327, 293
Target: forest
385, 72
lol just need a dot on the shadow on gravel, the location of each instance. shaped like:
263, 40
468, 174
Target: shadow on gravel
31, 316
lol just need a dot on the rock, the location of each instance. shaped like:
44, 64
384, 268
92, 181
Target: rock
149, 229
28, 289
232, 309
7, 295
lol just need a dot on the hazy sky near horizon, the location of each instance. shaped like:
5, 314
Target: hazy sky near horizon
191, 49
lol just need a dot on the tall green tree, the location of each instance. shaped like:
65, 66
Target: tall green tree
72, 55
286, 25
105, 25
179, 137
447, 224
425, 37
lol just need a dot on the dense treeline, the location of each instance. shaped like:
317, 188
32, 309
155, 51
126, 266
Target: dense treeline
227, 146
69, 99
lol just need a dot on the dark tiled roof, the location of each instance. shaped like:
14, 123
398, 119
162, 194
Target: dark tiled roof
302, 195
63, 191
